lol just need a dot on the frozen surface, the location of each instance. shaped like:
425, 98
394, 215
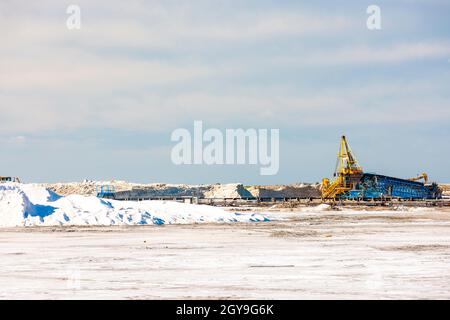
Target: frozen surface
322, 254
33, 205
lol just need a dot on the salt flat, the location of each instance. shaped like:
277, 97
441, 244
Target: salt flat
343, 255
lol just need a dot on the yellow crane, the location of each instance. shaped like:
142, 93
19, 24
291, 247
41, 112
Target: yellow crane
347, 173
423, 176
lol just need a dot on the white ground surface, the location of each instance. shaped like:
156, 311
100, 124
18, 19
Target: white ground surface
327, 254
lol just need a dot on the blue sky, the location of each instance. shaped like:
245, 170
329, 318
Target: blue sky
101, 102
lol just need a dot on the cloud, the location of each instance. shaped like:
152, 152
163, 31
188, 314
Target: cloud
394, 53
159, 25
148, 66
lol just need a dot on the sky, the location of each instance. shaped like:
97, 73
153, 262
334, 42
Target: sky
101, 102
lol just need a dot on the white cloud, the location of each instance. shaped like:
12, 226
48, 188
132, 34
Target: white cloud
55, 79
400, 52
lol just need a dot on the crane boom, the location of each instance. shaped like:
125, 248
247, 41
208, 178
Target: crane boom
348, 172
423, 176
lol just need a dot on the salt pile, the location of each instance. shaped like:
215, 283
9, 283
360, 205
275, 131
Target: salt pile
286, 191
154, 190
34, 205
208, 191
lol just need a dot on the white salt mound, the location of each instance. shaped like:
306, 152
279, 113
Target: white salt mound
14, 205
34, 205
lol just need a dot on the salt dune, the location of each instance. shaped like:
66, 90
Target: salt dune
33, 205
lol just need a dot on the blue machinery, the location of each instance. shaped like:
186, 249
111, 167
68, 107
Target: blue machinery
351, 182
375, 186
105, 191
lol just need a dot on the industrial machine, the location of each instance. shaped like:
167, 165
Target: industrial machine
9, 179
347, 173
423, 176
105, 191
352, 183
